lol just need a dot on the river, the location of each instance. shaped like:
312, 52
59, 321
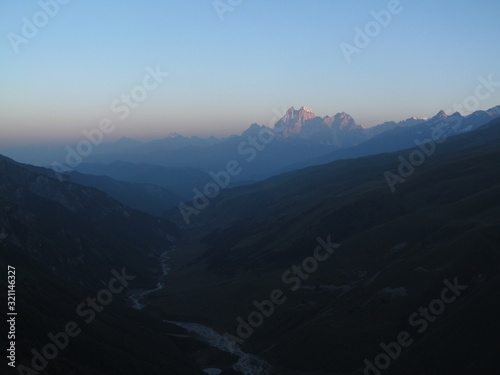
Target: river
137, 299
247, 364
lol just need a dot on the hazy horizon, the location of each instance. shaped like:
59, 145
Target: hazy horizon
312, 243
229, 70
202, 134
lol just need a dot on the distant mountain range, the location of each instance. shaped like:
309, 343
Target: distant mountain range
149, 198
340, 130
177, 181
396, 249
391, 136
298, 139
158, 175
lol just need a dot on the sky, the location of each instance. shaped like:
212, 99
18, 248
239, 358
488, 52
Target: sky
67, 68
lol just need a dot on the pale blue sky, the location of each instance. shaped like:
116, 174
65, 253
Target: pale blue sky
224, 75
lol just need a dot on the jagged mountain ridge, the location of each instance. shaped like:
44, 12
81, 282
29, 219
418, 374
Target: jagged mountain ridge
300, 139
397, 248
391, 136
340, 130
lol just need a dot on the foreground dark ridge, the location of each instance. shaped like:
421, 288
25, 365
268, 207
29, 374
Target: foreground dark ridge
397, 250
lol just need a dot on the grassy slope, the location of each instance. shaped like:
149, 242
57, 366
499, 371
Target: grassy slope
64, 240
448, 214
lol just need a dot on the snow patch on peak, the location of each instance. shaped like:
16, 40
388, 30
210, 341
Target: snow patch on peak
305, 109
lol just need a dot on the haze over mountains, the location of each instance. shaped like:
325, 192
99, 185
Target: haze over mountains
157, 176
165, 210
299, 139
299, 135
397, 252
397, 249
